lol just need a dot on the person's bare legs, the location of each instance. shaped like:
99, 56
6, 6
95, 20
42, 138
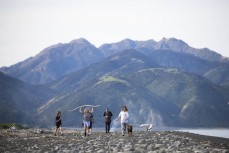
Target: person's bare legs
87, 130
61, 133
56, 131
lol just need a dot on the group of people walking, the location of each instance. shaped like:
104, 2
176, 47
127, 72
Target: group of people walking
88, 120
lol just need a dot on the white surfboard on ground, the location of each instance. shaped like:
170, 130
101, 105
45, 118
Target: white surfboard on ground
84, 106
147, 126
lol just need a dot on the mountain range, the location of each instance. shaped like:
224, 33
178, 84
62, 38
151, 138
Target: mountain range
20, 100
167, 83
58, 60
55, 62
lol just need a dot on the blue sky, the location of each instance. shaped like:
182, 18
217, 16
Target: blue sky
29, 26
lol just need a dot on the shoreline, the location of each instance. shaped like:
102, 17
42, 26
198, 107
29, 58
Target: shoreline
43, 140
216, 132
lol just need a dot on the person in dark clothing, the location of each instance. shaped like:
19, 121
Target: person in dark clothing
91, 122
58, 123
107, 118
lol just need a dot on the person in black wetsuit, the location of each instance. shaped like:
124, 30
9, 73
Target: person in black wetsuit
107, 118
58, 123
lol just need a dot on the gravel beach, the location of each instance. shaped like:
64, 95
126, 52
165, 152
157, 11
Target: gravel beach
43, 140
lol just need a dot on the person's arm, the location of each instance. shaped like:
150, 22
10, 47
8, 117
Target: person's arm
119, 116
127, 116
81, 110
57, 120
92, 109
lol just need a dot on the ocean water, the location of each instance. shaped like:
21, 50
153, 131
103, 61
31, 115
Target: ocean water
223, 133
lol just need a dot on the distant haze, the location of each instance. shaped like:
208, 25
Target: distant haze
27, 27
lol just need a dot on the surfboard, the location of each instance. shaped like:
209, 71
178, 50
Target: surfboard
147, 126
84, 106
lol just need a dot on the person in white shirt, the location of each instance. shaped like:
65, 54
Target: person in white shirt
123, 117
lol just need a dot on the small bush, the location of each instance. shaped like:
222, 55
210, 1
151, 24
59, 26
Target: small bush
8, 125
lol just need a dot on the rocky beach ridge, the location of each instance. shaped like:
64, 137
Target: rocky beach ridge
43, 140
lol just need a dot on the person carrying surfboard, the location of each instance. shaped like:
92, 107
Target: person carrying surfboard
86, 119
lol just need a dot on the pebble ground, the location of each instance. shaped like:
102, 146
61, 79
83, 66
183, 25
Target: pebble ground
40, 140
